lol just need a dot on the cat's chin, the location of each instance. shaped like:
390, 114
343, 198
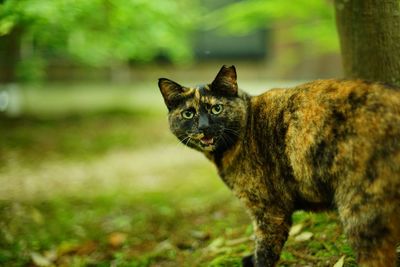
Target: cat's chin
202, 142
207, 144
208, 148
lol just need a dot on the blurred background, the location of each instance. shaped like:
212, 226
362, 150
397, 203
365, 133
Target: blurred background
90, 174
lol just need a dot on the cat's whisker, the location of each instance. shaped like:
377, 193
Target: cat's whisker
236, 133
229, 137
234, 130
184, 142
224, 140
188, 140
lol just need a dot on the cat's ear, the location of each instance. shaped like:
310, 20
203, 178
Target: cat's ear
225, 82
171, 91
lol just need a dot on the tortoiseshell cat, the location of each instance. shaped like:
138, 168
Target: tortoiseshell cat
328, 144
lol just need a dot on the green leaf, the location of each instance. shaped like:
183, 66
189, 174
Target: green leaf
6, 25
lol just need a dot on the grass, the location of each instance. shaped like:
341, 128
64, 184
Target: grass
110, 186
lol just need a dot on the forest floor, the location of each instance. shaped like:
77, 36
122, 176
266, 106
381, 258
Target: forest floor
89, 184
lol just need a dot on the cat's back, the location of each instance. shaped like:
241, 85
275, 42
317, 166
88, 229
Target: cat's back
326, 127
354, 94
329, 102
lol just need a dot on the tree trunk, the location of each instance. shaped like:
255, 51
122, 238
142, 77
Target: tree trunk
10, 46
369, 33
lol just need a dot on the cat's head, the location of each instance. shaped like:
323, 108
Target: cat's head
209, 117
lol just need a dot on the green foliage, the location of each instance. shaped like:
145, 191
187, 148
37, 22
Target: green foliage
98, 32
32, 70
226, 261
110, 32
308, 21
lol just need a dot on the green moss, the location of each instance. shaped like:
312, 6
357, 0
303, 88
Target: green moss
226, 261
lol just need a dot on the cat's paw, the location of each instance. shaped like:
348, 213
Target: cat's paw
248, 261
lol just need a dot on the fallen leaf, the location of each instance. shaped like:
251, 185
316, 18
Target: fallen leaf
40, 260
200, 235
116, 239
216, 243
340, 262
295, 229
37, 216
185, 246
163, 246
86, 248
67, 248
51, 255
235, 242
303, 236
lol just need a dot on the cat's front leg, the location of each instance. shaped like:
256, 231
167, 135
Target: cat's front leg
271, 232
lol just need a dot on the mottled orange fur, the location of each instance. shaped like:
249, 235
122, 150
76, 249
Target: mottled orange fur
328, 144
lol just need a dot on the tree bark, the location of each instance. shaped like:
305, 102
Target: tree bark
369, 33
10, 46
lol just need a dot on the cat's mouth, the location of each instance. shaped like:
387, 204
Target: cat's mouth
207, 141
204, 142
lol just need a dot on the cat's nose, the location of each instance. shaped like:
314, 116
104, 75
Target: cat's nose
204, 128
203, 123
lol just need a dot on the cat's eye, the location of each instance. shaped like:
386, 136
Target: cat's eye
188, 114
216, 109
